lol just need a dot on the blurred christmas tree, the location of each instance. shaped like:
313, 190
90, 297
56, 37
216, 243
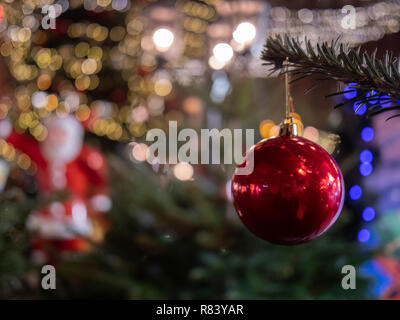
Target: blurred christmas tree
169, 238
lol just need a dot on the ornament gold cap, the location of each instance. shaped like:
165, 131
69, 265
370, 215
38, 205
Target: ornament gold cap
288, 127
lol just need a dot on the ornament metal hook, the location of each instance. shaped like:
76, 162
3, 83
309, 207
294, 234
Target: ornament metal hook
288, 127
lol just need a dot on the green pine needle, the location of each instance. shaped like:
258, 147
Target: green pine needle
337, 61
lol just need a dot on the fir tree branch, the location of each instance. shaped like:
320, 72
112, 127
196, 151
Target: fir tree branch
371, 78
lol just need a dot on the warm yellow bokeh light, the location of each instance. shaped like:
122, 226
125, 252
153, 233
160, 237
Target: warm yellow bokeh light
43, 82
265, 128
163, 87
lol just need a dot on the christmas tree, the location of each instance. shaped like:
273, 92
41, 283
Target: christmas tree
169, 231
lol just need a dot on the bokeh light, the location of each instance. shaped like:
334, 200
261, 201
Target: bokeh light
351, 94
183, 171
244, 33
163, 39
367, 134
366, 169
363, 235
139, 152
311, 133
359, 109
355, 192
223, 52
368, 214
366, 156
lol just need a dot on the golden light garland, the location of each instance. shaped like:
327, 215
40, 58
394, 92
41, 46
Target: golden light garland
355, 25
148, 46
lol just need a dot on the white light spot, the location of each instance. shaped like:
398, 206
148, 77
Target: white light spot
163, 39
223, 52
244, 33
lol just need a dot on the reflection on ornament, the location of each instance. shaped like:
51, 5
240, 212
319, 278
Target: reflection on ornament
228, 190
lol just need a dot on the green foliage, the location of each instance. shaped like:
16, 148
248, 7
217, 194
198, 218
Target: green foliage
173, 240
337, 61
14, 242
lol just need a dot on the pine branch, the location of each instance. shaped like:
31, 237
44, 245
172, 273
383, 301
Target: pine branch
371, 78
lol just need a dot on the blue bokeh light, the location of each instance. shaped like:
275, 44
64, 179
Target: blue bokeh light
372, 269
368, 214
372, 94
361, 110
350, 95
366, 156
366, 169
355, 192
385, 104
363, 235
367, 134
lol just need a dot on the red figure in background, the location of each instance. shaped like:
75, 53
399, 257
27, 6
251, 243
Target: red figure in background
64, 162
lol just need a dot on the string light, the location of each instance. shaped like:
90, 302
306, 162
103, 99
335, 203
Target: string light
383, 101
311, 133
367, 134
183, 171
371, 23
139, 152
244, 33
352, 94
355, 192
223, 52
16, 157
363, 235
163, 39
128, 47
215, 64
371, 94
365, 169
366, 156
368, 214
359, 109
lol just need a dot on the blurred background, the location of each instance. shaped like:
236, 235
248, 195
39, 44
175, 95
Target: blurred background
77, 98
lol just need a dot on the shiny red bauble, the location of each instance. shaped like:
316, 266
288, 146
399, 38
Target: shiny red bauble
294, 193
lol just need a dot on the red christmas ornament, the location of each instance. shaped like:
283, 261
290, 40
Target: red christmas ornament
293, 195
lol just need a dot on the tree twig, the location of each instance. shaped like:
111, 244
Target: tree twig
370, 78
